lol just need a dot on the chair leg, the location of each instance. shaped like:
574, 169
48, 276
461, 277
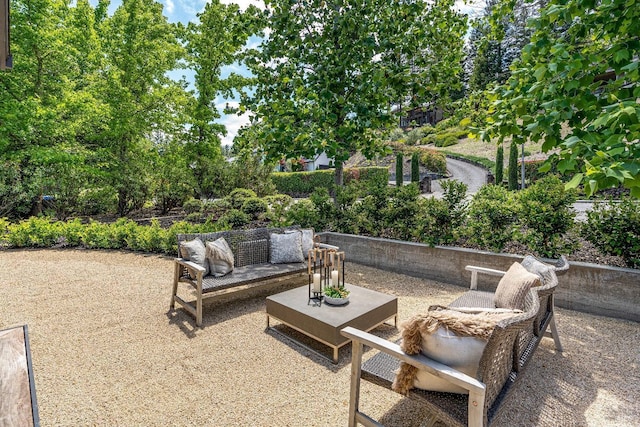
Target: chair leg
354, 398
554, 333
176, 276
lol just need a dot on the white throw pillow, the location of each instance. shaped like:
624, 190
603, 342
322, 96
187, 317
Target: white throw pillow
307, 241
286, 248
219, 257
460, 353
194, 251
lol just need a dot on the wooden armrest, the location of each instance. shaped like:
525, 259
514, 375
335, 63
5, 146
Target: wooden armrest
418, 360
326, 246
191, 265
474, 274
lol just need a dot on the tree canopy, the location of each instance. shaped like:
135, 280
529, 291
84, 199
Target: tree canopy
577, 91
329, 71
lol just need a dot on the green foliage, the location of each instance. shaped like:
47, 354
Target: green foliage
399, 169
492, 218
238, 196
445, 137
513, 167
614, 228
414, 136
433, 160
277, 212
397, 135
235, 218
415, 167
254, 206
192, 205
499, 170
34, 232
545, 213
575, 89
325, 75
303, 213
302, 184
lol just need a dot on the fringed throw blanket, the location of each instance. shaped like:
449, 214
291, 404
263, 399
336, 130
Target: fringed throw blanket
462, 324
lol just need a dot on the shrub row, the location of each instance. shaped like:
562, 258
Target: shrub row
43, 232
539, 219
301, 184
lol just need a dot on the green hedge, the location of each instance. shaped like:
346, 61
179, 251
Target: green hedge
301, 184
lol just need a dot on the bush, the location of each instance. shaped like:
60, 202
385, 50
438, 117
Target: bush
546, 214
235, 218
192, 206
492, 218
254, 206
34, 232
94, 201
237, 197
302, 184
433, 160
396, 135
303, 213
614, 228
414, 136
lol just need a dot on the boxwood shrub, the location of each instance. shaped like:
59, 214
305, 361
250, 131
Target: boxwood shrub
302, 184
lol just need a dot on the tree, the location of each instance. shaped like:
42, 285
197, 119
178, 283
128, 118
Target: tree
141, 47
399, 170
513, 166
577, 91
214, 42
45, 106
499, 164
329, 70
415, 167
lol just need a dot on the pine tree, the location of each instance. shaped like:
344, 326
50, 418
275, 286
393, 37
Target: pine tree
499, 165
513, 166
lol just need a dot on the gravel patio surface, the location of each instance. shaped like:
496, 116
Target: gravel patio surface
107, 352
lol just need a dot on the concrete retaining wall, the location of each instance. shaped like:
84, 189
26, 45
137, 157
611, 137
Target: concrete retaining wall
590, 288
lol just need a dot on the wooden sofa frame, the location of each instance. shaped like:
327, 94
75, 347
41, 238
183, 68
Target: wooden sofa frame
509, 349
251, 249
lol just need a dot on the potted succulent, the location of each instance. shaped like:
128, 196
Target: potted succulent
336, 296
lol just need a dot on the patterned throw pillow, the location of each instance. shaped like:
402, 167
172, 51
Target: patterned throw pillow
194, 251
545, 271
286, 248
220, 257
513, 287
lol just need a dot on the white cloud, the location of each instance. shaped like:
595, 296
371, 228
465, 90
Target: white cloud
233, 124
169, 6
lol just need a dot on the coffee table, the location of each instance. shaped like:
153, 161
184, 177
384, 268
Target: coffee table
365, 310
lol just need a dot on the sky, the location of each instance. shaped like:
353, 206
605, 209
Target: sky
186, 10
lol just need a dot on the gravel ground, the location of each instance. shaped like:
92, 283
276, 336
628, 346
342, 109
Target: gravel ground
106, 352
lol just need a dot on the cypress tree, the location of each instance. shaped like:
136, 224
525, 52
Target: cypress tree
513, 166
415, 168
399, 168
499, 165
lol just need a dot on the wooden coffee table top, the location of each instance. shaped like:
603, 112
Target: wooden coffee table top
365, 310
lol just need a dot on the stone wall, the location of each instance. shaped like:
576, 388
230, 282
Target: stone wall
590, 288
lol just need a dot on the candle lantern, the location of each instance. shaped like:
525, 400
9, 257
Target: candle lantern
325, 268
